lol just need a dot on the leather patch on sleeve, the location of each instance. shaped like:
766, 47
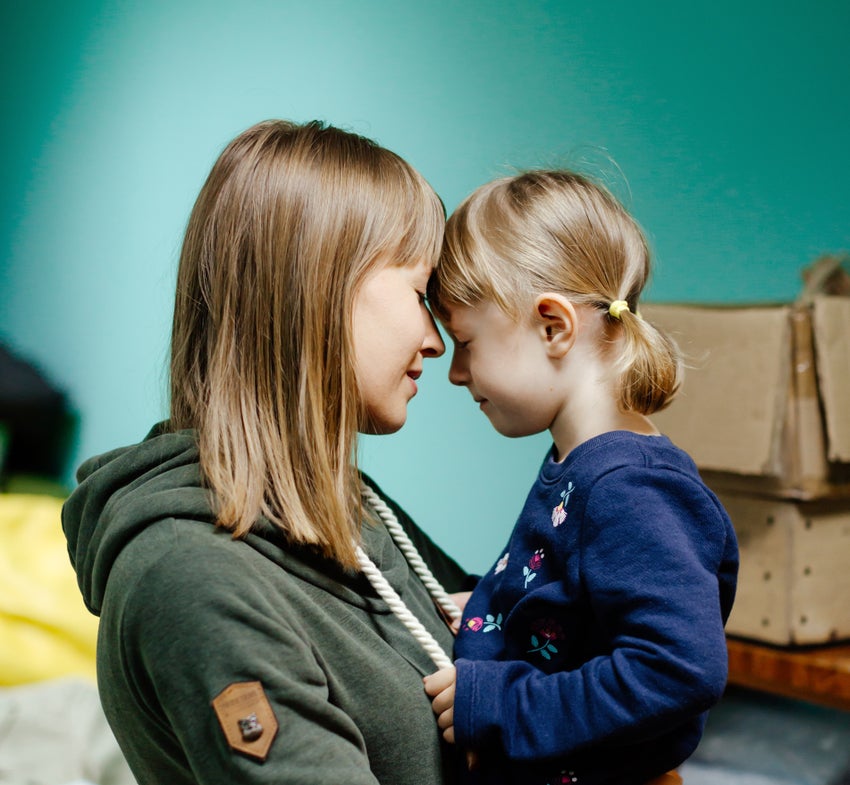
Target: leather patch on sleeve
246, 717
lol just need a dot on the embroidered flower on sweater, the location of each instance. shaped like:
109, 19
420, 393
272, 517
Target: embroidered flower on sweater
487, 624
492, 622
543, 632
501, 564
559, 513
565, 778
548, 628
530, 570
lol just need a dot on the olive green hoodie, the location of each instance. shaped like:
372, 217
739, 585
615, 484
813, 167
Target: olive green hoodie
187, 612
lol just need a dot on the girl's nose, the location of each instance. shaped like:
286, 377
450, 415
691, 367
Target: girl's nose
458, 370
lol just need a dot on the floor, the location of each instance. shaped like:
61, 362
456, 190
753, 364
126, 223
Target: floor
758, 739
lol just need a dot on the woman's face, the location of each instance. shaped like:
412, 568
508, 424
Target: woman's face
393, 332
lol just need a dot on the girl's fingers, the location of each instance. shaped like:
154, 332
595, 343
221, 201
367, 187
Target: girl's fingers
439, 681
444, 701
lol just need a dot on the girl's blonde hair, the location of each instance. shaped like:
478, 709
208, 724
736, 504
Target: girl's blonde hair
289, 222
557, 231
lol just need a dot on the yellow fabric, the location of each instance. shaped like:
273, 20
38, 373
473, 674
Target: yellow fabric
45, 630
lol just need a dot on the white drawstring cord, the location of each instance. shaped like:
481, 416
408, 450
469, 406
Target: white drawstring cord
390, 596
402, 612
413, 557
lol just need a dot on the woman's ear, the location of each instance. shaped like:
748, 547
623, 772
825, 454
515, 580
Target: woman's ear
558, 322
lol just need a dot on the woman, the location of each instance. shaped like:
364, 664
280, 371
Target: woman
239, 639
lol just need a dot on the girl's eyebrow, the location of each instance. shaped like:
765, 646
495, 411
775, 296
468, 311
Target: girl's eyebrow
453, 334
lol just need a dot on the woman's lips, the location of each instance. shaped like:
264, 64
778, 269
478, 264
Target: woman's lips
413, 376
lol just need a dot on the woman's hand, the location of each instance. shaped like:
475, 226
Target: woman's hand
440, 687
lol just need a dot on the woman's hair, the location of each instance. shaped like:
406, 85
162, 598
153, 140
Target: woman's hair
557, 231
289, 222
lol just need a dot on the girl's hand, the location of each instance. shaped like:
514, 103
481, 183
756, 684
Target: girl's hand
440, 687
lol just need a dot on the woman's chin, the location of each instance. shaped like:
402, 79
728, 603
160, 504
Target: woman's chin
382, 426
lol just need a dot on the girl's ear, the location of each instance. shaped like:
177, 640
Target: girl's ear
558, 323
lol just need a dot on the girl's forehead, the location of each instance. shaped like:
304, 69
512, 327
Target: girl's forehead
453, 315
483, 316
460, 317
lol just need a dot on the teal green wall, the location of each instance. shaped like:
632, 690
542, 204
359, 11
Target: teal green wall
723, 125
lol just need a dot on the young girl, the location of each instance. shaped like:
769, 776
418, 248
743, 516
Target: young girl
227, 554
593, 648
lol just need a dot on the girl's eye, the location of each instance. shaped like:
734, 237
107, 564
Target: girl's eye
461, 344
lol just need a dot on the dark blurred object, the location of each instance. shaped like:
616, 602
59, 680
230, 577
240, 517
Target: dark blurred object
829, 274
37, 419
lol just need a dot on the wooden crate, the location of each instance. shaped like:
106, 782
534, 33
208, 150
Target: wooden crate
794, 582
763, 408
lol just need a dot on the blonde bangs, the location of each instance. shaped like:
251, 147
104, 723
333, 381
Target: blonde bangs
407, 216
478, 262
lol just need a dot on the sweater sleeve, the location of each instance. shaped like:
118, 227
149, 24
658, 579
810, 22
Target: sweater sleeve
648, 564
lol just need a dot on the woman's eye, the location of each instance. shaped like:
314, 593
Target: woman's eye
461, 344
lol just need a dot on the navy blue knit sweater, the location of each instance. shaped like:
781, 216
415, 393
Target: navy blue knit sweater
592, 650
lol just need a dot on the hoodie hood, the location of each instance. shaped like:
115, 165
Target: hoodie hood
125, 491
121, 493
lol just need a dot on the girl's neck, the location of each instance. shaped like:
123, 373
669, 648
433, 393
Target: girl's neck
566, 442
591, 408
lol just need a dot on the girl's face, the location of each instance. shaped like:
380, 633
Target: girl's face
393, 332
503, 364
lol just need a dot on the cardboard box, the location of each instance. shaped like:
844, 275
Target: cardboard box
794, 581
765, 405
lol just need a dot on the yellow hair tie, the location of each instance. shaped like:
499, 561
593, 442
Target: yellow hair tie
617, 307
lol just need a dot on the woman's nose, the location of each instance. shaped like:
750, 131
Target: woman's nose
432, 345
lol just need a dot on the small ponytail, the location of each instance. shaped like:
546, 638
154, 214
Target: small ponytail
651, 365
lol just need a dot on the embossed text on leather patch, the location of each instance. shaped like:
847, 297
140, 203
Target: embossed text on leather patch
246, 717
